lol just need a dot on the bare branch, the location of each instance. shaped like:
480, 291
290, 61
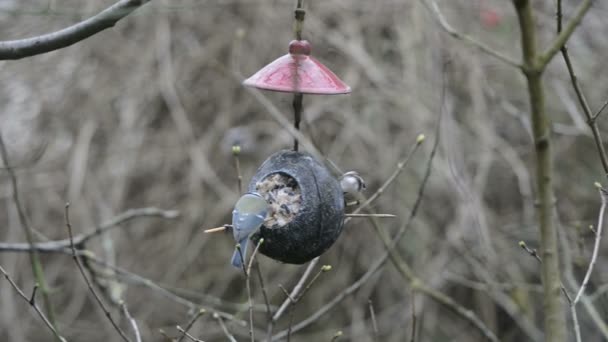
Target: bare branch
248, 280
596, 247
591, 118
185, 333
433, 8
229, 336
62, 246
198, 314
564, 35
86, 278
17, 49
132, 322
372, 315
400, 167
35, 263
33, 304
296, 290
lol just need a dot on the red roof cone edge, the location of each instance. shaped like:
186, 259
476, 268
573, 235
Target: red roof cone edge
298, 72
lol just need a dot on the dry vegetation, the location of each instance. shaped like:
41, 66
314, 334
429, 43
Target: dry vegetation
145, 114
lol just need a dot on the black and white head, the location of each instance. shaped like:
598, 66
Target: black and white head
352, 183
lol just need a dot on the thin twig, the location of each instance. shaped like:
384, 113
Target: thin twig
133, 323
582, 99
599, 111
298, 297
185, 333
236, 151
577, 327
596, 248
86, 278
266, 300
400, 167
324, 269
33, 304
194, 318
166, 336
372, 315
296, 289
35, 263
413, 308
534, 253
17, 49
370, 215
224, 328
137, 279
63, 246
217, 229
403, 267
337, 336
248, 280
33, 296
561, 39
431, 5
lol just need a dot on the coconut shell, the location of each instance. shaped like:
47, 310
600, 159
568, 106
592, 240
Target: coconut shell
320, 219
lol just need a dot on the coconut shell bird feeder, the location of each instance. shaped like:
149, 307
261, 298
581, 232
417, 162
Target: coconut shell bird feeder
306, 203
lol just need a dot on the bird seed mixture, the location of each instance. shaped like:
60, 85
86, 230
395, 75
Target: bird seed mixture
283, 196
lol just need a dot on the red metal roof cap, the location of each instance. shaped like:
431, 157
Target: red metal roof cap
298, 72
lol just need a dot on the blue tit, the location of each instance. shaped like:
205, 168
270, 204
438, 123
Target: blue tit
248, 216
352, 183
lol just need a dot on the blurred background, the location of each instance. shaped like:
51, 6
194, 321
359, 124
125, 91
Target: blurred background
145, 115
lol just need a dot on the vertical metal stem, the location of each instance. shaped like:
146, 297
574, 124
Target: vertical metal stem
299, 13
297, 113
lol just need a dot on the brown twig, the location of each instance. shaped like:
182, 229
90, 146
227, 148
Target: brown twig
400, 167
194, 318
414, 319
35, 263
137, 279
582, 99
534, 253
17, 49
295, 299
248, 281
33, 296
31, 300
265, 295
296, 290
563, 36
186, 334
86, 278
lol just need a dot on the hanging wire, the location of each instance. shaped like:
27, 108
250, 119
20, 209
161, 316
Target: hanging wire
300, 13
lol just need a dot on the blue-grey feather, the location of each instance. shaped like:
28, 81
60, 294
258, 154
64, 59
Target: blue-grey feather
237, 258
247, 217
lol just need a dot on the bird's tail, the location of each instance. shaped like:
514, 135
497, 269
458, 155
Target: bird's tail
238, 258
